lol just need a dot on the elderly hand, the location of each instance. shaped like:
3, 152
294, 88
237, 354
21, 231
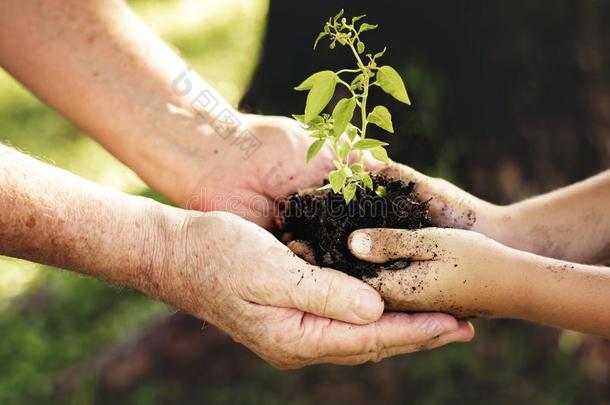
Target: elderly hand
237, 276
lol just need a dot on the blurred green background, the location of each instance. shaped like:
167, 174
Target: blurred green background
511, 99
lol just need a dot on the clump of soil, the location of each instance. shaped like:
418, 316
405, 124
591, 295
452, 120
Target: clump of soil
322, 218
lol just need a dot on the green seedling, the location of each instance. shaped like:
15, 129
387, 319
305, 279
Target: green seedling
348, 141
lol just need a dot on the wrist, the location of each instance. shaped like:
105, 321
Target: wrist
157, 246
498, 222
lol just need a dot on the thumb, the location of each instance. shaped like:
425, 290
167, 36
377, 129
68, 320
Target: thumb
331, 294
382, 245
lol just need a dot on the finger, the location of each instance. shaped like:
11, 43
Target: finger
390, 331
449, 206
402, 172
331, 294
381, 245
464, 333
304, 250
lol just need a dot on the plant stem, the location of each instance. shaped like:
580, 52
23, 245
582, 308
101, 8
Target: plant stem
365, 93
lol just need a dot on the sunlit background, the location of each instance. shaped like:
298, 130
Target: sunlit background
509, 101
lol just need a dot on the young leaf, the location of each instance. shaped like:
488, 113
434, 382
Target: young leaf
367, 27
336, 178
320, 94
349, 192
381, 117
380, 154
356, 167
314, 149
344, 150
365, 144
389, 80
380, 54
351, 131
339, 14
342, 115
320, 36
318, 134
381, 191
360, 47
358, 18
367, 181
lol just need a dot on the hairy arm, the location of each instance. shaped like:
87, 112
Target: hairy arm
215, 266
99, 65
53, 217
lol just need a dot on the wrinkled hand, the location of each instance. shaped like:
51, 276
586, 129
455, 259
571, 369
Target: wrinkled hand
248, 187
240, 278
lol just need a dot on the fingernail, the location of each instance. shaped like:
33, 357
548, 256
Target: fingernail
369, 305
361, 243
474, 332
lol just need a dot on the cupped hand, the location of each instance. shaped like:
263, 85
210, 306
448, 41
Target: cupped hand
455, 271
249, 182
450, 206
237, 276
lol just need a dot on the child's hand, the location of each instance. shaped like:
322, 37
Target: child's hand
455, 271
450, 206
467, 274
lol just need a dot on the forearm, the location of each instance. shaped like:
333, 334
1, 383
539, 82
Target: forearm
572, 223
53, 217
99, 65
558, 293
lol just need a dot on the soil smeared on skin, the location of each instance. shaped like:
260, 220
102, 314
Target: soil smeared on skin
322, 218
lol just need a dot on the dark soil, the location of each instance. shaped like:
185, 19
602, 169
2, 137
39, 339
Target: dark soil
324, 220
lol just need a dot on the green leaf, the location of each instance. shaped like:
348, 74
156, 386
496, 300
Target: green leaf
351, 131
322, 89
349, 192
320, 36
381, 191
380, 154
360, 46
344, 150
381, 117
339, 14
367, 27
356, 167
389, 80
380, 54
356, 83
318, 134
365, 144
358, 18
316, 123
308, 83
336, 178
342, 115
367, 181
314, 149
